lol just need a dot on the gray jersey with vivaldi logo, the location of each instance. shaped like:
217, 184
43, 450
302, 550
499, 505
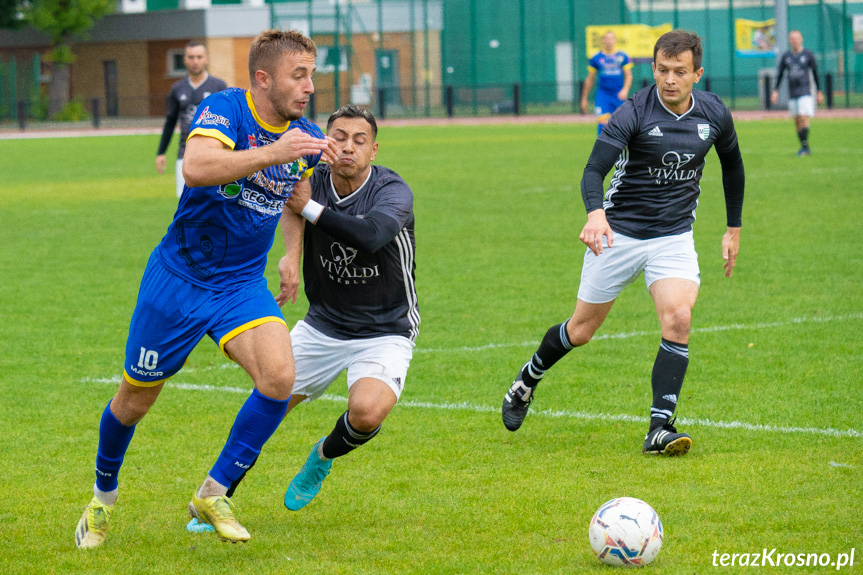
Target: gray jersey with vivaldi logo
354, 293
655, 186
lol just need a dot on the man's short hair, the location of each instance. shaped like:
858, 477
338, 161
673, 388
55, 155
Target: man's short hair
677, 42
271, 45
195, 44
352, 111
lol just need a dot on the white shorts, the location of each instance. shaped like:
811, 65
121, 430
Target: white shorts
802, 106
320, 359
178, 178
603, 277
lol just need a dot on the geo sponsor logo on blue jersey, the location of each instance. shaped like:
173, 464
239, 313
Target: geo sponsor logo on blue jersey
259, 202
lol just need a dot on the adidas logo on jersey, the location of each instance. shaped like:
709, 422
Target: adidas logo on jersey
655, 131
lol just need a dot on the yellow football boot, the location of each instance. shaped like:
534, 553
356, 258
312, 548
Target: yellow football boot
93, 525
218, 511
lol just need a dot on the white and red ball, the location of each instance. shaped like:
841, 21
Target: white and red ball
626, 532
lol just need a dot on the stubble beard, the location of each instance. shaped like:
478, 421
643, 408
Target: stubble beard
277, 102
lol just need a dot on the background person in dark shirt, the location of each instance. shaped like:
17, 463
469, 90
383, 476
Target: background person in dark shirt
802, 71
659, 139
185, 96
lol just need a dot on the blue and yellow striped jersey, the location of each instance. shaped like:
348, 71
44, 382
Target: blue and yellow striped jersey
220, 235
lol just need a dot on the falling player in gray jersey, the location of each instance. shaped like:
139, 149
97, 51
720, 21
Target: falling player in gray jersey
802, 75
182, 103
358, 269
659, 139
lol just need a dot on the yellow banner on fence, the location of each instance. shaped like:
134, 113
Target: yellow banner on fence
636, 40
754, 38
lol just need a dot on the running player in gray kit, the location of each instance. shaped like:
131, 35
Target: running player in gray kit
657, 140
183, 101
358, 269
802, 75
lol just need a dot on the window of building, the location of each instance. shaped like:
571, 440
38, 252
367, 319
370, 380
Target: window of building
176, 66
326, 60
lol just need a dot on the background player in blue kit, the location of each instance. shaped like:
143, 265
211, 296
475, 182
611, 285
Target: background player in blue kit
246, 152
658, 140
615, 78
185, 96
358, 268
802, 71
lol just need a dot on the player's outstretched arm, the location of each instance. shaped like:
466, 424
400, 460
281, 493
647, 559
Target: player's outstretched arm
161, 163
627, 84
730, 249
588, 84
601, 159
293, 225
167, 130
209, 162
733, 184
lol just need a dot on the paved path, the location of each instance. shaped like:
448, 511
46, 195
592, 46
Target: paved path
78, 132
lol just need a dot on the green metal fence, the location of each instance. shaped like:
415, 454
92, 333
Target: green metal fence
529, 56
430, 58
19, 86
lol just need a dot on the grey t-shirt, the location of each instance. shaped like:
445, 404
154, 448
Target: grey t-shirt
356, 294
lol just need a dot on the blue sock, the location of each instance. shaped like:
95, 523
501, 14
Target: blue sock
257, 420
114, 438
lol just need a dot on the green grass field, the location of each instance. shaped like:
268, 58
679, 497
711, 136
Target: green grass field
773, 396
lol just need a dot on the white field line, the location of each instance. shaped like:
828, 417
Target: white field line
631, 334
565, 414
545, 413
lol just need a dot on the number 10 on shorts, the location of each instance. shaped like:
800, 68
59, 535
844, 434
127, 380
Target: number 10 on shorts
148, 359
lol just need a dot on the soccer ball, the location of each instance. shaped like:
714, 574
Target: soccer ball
626, 532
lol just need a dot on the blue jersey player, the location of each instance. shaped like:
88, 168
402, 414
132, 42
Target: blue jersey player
615, 78
658, 141
246, 152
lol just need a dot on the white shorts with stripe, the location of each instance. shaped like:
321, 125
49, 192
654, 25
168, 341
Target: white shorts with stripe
320, 359
603, 277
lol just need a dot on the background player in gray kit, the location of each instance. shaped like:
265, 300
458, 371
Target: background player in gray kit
659, 139
185, 96
358, 269
802, 75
